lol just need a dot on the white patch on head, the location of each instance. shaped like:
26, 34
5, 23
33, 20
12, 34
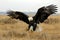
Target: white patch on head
30, 18
31, 28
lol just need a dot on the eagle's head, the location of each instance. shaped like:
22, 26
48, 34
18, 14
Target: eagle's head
30, 18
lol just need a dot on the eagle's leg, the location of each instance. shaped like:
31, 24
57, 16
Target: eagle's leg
34, 27
31, 27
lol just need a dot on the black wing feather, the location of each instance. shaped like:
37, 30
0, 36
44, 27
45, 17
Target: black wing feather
18, 15
43, 13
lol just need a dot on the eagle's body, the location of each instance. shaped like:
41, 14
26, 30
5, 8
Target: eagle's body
32, 25
42, 14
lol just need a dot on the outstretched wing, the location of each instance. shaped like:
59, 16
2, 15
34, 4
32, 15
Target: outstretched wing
43, 13
18, 15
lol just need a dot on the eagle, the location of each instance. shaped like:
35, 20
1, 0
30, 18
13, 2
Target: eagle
41, 15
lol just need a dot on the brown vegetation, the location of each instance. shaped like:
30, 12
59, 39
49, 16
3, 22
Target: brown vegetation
12, 29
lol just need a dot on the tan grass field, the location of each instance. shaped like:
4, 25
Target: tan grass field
12, 29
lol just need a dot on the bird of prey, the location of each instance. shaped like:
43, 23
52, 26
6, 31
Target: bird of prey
42, 14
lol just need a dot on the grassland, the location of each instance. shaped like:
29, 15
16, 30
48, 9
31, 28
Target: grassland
12, 29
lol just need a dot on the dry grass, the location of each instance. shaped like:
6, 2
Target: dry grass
11, 29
